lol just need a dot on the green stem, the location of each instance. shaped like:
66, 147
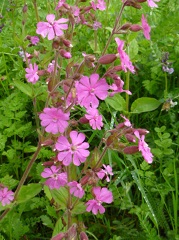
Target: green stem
127, 87
36, 10
112, 33
95, 40
69, 204
166, 86
24, 177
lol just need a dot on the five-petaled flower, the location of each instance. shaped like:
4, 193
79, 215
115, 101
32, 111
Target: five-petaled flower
144, 148
75, 150
125, 61
146, 27
52, 28
89, 89
101, 195
95, 119
54, 120
32, 73
56, 178
6, 196
76, 189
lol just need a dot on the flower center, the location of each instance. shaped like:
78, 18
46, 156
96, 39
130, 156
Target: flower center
73, 148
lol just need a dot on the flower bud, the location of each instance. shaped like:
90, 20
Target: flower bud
65, 54
83, 120
135, 28
48, 164
132, 3
141, 1
25, 8
59, 236
141, 131
83, 236
106, 59
67, 43
130, 137
131, 149
125, 26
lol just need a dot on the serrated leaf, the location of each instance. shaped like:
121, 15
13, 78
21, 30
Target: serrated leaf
117, 102
144, 104
29, 191
23, 87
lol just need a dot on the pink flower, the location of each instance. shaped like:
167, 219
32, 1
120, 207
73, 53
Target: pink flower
52, 28
95, 120
76, 189
144, 148
6, 196
34, 40
96, 25
56, 178
101, 195
74, 151
152, 4
146, 27
125, 61
60, 4
105, 172
101, 5
90, 89
117, 87
127, 123
54, 119
32, 73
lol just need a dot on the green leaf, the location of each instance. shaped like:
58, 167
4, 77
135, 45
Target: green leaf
23, 87
79, 208
117, 102
47, 221
60, 196
144, 104
133, 49
58, 227
29, 191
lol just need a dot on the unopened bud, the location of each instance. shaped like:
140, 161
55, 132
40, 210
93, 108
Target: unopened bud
106, 59
83, 120
130, 137
141, 1
83, 236
84, 180
142, 131
132, 3
65, 54
48, 164
59, 236
41, 72
125, 26
135, 28
117, 68
131, 149
67, 43
25, 8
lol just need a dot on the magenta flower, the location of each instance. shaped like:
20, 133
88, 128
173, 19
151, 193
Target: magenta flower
125, 61
74, 151
56, 178
117, 87
101, 195
96, 25
6, 196
101, 5
152, 4
104, 173
146, 27
76, 189
95, 120
127, 123
90, 89
32, 73
52, 28
34, 40
60, 4
144, 148
54, 119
